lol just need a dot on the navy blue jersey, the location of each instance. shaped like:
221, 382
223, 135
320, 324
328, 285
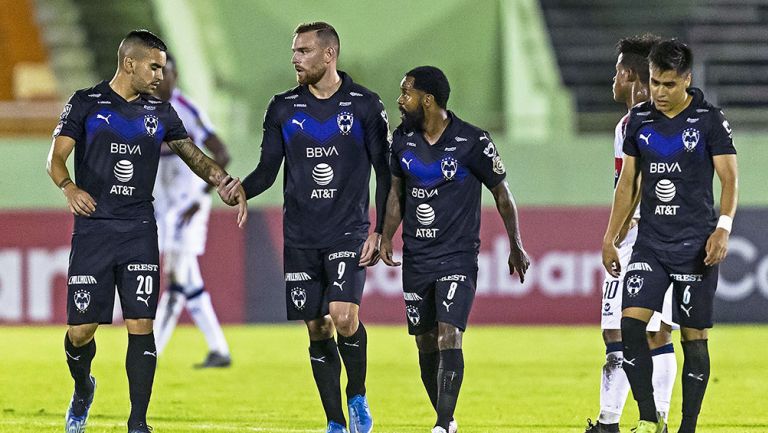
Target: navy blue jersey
329, 146
441, 217
117, 149
675, 156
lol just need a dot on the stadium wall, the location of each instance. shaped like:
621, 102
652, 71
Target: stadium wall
243, 270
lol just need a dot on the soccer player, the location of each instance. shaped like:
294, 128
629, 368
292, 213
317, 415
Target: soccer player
630, 87
330, 131
115, 129
674, 144
182, 207
438, 164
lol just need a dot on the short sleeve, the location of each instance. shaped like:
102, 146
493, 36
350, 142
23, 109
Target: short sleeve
630, 142
720, 136
394, 158
72, 119
377, 135
175, 128
485, 161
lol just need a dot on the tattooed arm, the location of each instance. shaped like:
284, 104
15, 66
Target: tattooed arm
208, 170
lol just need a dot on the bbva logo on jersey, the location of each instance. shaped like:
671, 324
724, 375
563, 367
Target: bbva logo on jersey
345, 121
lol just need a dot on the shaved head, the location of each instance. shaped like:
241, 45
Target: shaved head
137, 45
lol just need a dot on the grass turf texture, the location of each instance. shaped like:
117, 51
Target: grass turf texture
517, 379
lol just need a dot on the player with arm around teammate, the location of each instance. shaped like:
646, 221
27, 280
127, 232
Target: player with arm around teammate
673, 146
115, 129
439, 163
630, 87
182, 208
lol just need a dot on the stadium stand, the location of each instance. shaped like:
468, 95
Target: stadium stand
728, 37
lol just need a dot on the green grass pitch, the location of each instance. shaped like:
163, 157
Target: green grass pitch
517, 379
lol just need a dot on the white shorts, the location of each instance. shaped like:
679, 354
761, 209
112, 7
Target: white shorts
612, 292
188, 238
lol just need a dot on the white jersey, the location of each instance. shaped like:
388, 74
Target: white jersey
618, 154
178, 187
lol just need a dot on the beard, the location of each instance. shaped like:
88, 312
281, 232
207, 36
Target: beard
414, 120
311, 76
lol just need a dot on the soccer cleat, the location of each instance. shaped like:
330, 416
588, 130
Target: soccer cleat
650, 427
600, 428
438, 429
140, 428
453, 427
334, 427
360, 419
77, 412
215, 360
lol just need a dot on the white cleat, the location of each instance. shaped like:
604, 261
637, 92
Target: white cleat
453, 427
438, 429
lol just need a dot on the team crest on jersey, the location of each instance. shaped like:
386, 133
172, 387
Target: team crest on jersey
413, 314
449, 166
65, 112
634, 284
82, 299
690, 139
150, 124
299, 297
498, 165
345, 120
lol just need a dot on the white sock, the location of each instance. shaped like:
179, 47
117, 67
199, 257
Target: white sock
168, 311
664, 373
614, 388
201, 310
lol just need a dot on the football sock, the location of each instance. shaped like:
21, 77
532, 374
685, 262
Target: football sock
168, 311
353, 351
429, 362
695, 378
449, 377
326, 368
200, 308
79, 362
664, 372
638, 366
614, 386
140, 363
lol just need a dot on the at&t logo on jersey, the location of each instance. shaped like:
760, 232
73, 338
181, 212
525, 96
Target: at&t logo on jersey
345, 121
322, 174
425, 215
690, 139
665, 192
123, 172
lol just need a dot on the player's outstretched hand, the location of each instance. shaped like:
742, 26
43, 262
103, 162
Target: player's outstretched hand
79, 201
611, 259
717, 247
232, 193
386, 253
518, 261
370, 254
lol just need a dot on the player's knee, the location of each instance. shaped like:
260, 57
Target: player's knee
449, 337
320, 329
632, 329
691, 334
80, 335
139, 326
345, 323
611, 335
427, 342
658, 339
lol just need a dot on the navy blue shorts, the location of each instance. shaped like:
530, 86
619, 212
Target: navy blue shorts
316, 277
101, 262
650, 272
438, 297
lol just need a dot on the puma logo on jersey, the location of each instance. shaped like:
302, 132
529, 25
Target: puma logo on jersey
447, 306
152, 354
106, 119
687, 311
301, 124
646, 138
630, 361
340, 285
407, 162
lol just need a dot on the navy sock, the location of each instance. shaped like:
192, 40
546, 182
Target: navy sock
449, 377
353, 351
429, 363
79, 362
326, 368
140, 364
695, 379
638, 366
